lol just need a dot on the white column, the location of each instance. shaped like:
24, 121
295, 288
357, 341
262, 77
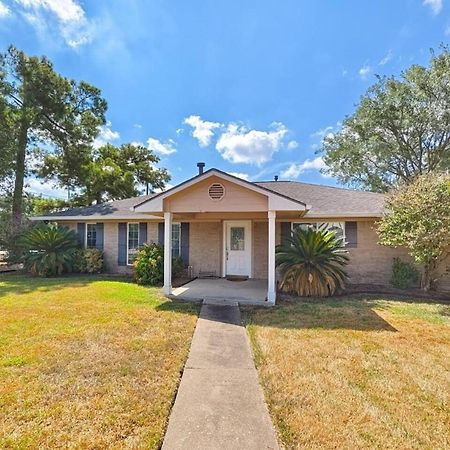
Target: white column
167, 253
271, 289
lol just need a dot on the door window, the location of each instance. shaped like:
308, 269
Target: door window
237, 238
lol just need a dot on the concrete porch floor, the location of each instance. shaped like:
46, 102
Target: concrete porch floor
218, 290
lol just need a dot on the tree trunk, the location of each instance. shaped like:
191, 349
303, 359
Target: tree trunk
20, 173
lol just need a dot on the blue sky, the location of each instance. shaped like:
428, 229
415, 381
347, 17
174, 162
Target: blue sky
250, 87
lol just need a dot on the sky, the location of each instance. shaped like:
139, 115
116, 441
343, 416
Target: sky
250, 87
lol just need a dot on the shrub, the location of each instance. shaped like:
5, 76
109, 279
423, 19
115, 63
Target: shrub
149, 265
312, 263
89, 260
404, 275
49, 250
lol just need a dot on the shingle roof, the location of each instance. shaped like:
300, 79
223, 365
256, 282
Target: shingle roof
329, 201
116, 208
324, 201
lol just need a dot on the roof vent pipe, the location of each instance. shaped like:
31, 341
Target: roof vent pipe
275, 177
200, 166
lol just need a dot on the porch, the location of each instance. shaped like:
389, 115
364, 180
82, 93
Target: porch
250, 291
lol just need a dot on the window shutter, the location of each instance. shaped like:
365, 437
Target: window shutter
122, 248
100, 236
161, 233
142, 233
285, 232
81, 231
185, 242
351, 234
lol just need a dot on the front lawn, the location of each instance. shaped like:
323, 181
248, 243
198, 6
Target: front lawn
88, 362
356, 372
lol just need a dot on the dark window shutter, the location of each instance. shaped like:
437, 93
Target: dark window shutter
142, 233
161, 233
81, 231
351, 234
100, 236
285, 232
122, 248
185, 242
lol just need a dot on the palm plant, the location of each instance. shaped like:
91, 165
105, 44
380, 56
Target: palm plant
312, 263
49, 250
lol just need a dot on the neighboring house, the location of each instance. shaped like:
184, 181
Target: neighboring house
224, 225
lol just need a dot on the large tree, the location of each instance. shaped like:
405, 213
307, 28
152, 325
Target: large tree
43, 110
418, 218
400, 129
107, 173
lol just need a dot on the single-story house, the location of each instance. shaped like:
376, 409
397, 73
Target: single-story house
223, 225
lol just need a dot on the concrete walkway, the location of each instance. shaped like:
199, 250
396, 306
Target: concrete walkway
220, 404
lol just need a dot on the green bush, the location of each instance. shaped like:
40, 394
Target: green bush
404, 275
89, 260
149, 265
49, 250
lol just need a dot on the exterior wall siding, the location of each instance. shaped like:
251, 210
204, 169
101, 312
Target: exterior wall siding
205, 252
260, 254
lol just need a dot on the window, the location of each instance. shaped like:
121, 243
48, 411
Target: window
237, 238
91, 235
176, 240
337, 227
133, 242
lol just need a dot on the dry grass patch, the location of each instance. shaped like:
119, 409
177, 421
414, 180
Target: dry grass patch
356, 372
88, 363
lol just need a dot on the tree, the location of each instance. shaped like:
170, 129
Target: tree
44, 110
400, 129
108, 173
312, 263
418, 218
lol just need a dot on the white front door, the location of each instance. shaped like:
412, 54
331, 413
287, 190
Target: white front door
238, 248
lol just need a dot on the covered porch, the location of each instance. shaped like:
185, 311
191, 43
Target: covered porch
250, 291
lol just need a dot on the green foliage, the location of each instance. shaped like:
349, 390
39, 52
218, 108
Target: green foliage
418, 218
49, 250
400, 129
404, 275
89, 260
312, 263
149, 265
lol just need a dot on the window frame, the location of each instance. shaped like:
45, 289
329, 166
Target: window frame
86, 235
179, 239
128, 240
315, 225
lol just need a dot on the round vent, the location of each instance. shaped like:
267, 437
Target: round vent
216, 191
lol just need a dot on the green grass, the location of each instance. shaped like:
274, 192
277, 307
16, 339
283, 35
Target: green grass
357, 372
88, 362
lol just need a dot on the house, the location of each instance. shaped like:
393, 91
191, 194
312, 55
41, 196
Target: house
223, 225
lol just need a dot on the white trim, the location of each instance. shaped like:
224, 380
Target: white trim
249, 223
179, 241
271, 285
101, 218
128, 238
85, 233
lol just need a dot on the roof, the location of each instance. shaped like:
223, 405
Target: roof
322, 201
328, 201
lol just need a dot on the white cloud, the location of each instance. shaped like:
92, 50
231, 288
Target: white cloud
106, 135
244, 176
44, 188
364, 72
137, 125
70, 18
435, 5
292, 144
4, 10
447, 30
163, 148
294, 170
203, 130
238, 144
386, 59
324, 132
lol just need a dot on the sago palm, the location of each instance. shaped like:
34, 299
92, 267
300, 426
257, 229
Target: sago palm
312, 263
49, 250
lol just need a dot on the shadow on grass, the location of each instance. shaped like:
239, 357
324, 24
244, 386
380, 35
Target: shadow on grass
179, 307
320, 314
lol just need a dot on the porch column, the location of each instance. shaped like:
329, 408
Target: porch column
167, 253
271, 289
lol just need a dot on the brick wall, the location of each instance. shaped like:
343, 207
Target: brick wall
205, 247
260, 250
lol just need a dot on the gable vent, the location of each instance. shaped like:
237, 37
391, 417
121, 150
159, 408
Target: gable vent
216, 191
